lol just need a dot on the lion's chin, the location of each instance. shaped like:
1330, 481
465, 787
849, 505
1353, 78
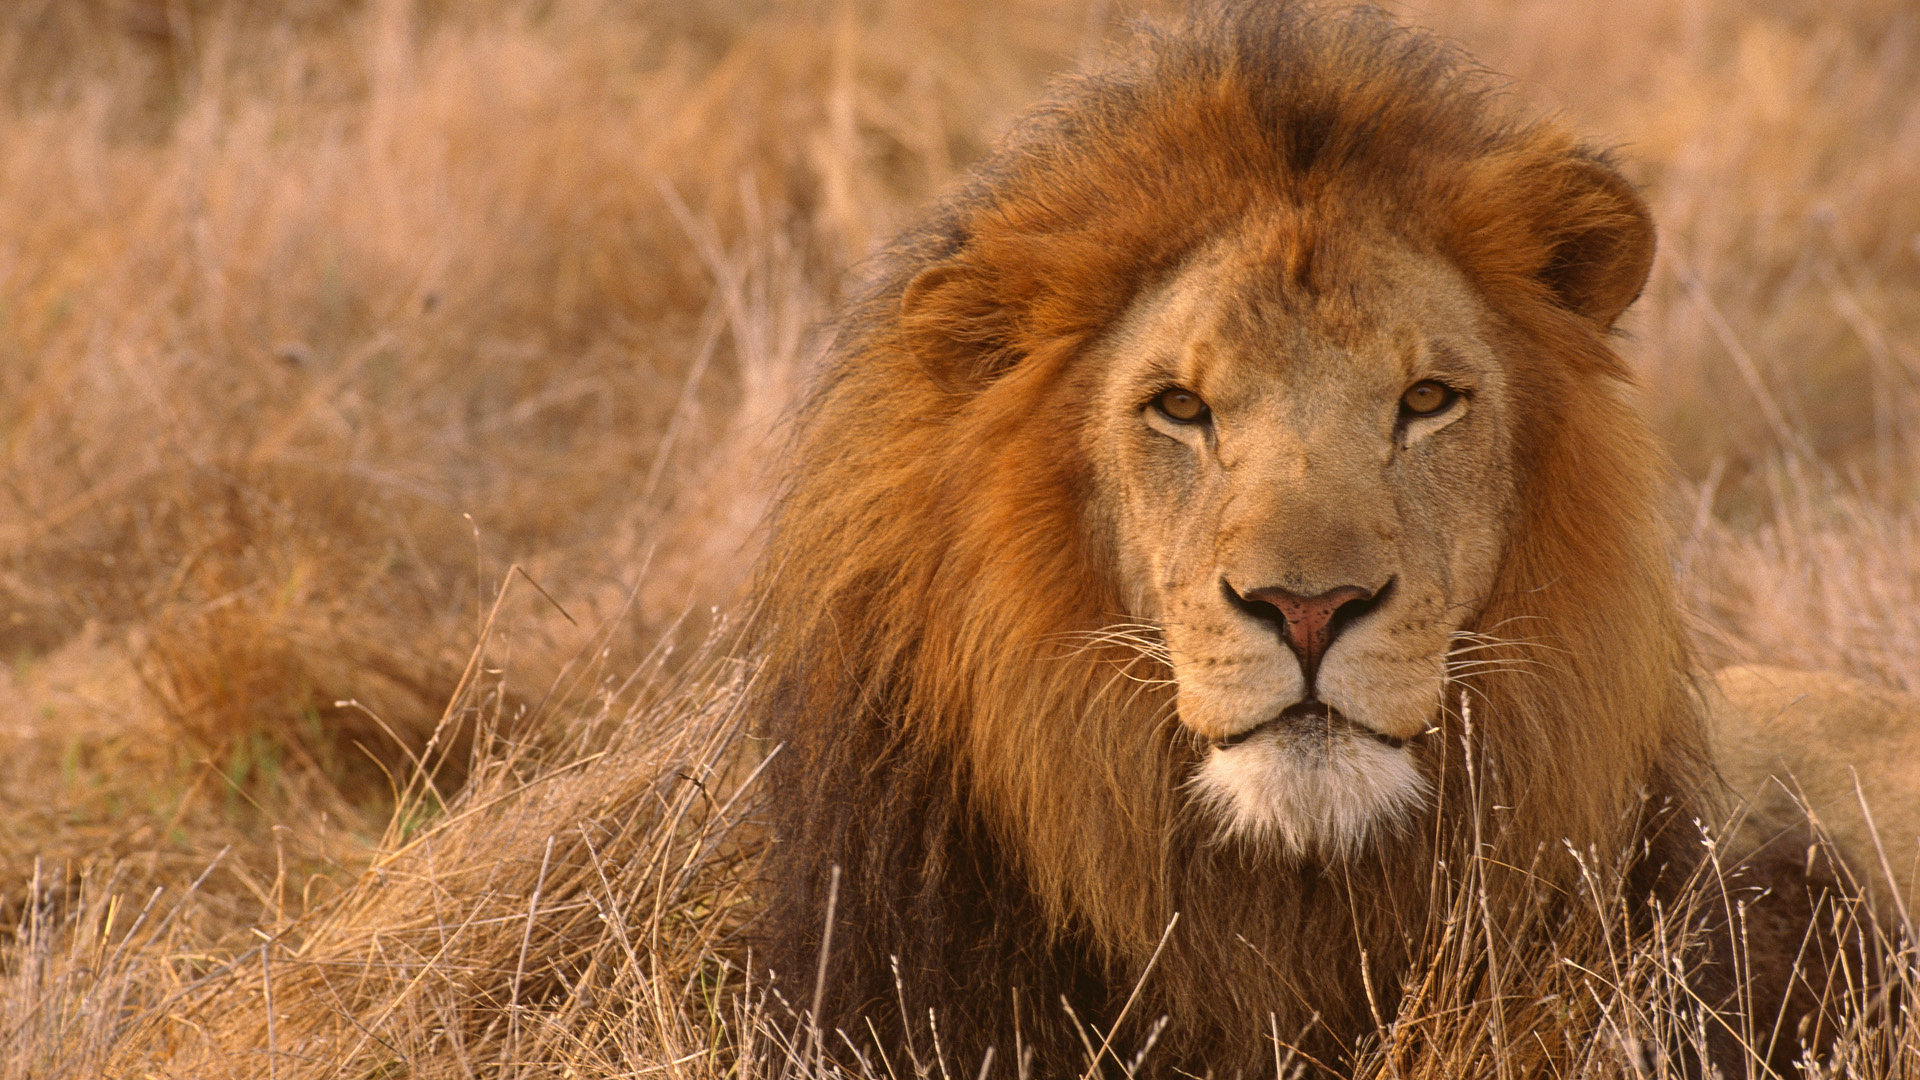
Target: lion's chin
1313, 791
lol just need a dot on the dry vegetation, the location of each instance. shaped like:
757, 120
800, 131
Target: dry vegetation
317, 317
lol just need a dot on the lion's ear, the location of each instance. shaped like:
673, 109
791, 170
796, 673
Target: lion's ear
1600, 241
952, 320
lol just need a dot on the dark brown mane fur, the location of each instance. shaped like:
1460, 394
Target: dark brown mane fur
1005, 802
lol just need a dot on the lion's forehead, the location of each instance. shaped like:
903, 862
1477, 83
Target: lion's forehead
1239, 323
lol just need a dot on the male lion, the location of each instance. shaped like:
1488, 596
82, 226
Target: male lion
1226, 503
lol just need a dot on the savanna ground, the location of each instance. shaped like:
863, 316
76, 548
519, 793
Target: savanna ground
317, 320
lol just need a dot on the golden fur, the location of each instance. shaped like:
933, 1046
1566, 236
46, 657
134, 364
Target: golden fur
1792, 743
984, 721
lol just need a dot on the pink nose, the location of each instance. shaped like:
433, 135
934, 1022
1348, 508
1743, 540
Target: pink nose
1312, 622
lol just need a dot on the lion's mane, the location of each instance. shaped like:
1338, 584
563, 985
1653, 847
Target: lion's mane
1001, 793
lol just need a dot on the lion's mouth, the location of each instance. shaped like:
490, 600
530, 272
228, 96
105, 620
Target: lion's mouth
1309, 718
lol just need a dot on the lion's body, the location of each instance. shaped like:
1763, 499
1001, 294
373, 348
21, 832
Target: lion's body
1798, 743
1032, 698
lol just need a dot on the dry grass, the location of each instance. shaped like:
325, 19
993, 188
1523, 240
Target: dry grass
315, 318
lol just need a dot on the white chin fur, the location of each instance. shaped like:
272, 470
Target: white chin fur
1313, 794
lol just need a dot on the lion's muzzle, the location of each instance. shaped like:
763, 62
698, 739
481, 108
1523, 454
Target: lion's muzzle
1308, 624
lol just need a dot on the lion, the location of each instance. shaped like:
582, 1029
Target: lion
1224, 507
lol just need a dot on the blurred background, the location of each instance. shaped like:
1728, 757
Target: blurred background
317, 318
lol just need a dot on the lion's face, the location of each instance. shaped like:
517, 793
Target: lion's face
1305, 466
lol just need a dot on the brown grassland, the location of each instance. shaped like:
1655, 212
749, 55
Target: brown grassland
387, 395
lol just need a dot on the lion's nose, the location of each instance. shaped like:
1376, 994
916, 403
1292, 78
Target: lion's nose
1310, 623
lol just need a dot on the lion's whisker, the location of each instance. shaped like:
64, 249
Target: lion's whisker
1144, 640
1455, 661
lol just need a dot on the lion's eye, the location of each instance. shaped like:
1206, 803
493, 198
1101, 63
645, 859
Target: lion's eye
1181, 405
1428, 398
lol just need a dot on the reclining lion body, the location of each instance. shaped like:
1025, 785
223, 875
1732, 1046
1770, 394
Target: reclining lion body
1794, 744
